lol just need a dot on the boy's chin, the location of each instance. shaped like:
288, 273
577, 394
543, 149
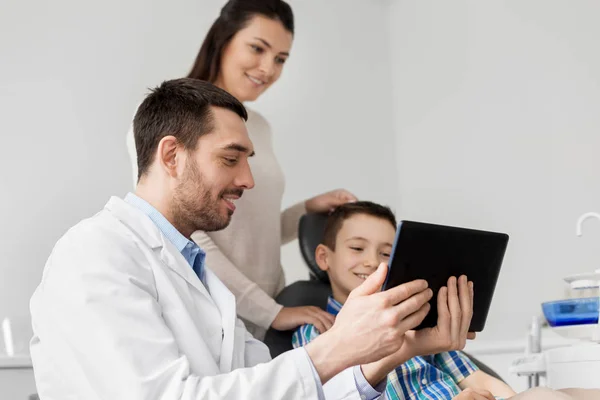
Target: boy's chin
356, 283
359, 280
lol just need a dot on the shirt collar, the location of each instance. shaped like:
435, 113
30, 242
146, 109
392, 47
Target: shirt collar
179, 241
333, 306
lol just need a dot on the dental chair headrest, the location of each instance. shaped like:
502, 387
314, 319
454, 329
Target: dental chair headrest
310, 235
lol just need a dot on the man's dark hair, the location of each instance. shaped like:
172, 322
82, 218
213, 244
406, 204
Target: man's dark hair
345, 211
179, 108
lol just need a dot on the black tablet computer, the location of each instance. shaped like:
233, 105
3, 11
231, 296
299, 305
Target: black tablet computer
437, 252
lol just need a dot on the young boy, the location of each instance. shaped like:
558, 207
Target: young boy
358, 237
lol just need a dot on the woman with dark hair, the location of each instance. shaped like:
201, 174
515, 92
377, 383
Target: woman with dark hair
244, 52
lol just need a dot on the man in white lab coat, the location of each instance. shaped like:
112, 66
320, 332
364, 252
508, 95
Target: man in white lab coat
127, 310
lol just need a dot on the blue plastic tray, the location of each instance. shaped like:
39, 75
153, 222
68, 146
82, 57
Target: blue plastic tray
572, 311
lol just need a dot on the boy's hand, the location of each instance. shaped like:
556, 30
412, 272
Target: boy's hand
370, 326
474, 394
455, 310
329, 201
292, 317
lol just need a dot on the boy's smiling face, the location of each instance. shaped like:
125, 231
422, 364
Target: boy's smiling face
362, 243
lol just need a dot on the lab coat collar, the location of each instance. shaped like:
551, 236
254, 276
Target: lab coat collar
141, 225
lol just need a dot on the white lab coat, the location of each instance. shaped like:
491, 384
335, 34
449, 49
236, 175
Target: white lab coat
120, 314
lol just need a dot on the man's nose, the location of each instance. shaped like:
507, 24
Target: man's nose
245, 179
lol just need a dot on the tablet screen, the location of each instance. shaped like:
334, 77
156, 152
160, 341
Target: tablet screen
437, 252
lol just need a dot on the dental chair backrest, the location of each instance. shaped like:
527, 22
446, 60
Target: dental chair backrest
317, 289
313, 292
310, 235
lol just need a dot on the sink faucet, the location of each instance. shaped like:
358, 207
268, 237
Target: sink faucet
583, 218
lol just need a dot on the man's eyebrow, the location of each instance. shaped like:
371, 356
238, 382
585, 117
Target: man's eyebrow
240, 148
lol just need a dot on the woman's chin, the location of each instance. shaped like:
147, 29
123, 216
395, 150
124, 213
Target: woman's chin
248, 97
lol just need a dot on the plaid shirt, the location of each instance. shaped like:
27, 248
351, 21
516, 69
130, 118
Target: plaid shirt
424, 378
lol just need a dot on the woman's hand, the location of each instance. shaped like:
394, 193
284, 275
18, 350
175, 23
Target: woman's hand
327, 202
292, 317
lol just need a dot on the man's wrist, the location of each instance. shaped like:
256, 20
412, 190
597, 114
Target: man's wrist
327, 356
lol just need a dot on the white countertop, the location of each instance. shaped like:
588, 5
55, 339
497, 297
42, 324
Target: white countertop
550, 340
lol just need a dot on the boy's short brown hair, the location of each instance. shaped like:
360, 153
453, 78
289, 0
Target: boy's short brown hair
345, 211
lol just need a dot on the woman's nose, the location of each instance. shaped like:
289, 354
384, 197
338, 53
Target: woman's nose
267, 67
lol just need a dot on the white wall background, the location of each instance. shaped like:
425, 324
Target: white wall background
70, 77
72, 74
496, 115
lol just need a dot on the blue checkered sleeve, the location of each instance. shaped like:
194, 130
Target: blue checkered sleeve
455, 363
304, 335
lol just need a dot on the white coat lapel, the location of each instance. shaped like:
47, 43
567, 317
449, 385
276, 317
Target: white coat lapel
177, 263
225, 301
141, 225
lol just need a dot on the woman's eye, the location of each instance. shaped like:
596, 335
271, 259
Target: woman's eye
386, 255
256, 48
356, 248
279, 60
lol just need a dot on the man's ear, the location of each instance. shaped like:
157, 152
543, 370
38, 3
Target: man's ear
322, 257
168, 156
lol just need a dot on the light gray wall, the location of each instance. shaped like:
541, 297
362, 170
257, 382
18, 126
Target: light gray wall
72, 74
497, 127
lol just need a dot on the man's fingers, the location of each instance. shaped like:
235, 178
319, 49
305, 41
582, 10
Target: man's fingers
372, 284
471, 335
413, 320
413, 304
400, 293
